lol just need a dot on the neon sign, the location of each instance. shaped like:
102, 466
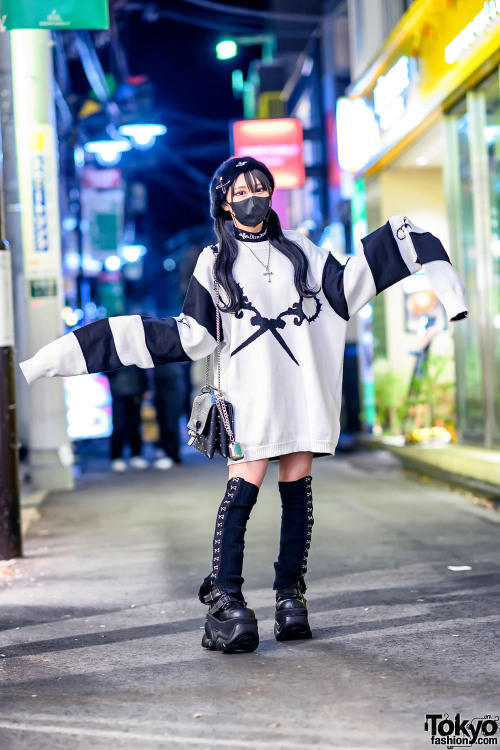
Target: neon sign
388, 94
488, 15
276, 142
40, 219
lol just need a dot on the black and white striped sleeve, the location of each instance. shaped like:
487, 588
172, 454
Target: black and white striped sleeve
387, 255
108, 344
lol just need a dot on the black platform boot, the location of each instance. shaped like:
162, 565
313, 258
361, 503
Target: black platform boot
230, 625
291, 621
296, 526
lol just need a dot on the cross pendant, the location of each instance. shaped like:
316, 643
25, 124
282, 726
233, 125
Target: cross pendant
268, 274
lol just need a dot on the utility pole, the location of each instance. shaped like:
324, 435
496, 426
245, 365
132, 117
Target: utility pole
10, 520
10, 517
32, 211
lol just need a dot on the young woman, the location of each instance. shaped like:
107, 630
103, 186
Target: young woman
284, 307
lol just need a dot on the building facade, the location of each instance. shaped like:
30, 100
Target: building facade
420, 133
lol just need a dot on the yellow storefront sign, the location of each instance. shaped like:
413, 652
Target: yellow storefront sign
450, 44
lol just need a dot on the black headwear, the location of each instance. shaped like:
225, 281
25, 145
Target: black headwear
226, 174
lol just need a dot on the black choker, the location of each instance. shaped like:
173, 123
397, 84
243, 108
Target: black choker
240, 234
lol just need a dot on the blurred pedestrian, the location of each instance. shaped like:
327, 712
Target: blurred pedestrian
128, 386
169, 404
282, 349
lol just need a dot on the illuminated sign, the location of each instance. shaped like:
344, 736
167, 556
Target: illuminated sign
38, 192
357, 133
101, 179
40, 220
55, 14
363, 127
388, 94
277, 143
488, 15
88, 406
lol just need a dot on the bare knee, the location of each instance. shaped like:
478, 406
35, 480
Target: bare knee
294, 466
251, 471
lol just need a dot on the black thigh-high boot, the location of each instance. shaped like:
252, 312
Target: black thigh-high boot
230, 624
290, 568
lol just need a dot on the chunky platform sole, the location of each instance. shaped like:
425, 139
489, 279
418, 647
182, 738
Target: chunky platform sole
292, 624
237, 634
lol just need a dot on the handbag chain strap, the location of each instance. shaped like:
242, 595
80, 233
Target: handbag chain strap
219, 397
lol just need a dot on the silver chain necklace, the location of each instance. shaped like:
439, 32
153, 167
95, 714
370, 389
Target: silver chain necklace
267, 272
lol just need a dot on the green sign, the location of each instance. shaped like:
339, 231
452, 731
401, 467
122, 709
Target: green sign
112, 297
358, 202
43, 287
54, 14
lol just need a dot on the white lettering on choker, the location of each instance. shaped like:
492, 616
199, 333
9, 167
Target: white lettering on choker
247, 236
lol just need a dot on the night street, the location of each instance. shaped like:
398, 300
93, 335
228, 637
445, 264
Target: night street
252, 231
101, 626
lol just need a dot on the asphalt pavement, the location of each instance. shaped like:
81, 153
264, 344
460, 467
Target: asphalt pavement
100, 625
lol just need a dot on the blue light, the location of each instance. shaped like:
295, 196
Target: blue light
169, 264
112, 263
132, 253
72, 260
143, 135
79, 156
108, 153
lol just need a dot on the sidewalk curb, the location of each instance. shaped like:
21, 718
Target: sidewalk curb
419, 465
30, 502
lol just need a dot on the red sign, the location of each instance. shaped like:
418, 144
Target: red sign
101, 179
277, 143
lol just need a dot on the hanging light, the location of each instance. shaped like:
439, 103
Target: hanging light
143, 135
112, 263
107, 152
132, 253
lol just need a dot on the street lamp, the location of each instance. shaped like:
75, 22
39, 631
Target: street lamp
143, 135
107, 152
112, 263
132, 253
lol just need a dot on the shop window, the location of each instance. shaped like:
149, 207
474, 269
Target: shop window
470, 403
488, 98
473, 186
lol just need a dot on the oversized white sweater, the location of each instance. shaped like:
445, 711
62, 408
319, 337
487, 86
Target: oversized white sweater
281, 355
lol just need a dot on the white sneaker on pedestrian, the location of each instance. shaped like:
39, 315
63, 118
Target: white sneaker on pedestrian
118, 465
138, 462
163, 464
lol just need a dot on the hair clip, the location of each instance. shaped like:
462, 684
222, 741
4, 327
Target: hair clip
241, 164
222, 185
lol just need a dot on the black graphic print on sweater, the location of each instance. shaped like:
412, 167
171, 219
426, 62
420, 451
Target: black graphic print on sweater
273, 324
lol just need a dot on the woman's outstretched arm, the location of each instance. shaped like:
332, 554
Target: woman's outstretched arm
387, 255
115, 342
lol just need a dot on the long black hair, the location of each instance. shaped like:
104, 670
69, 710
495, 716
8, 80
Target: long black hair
228, 248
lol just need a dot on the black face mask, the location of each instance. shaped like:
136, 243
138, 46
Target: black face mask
251, 211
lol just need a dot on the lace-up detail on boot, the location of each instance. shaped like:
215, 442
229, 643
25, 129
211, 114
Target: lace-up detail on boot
295, 541
219, 526
296, 530
310, 522
230, 624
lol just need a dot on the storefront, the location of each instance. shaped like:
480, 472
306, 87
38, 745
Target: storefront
421, 131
